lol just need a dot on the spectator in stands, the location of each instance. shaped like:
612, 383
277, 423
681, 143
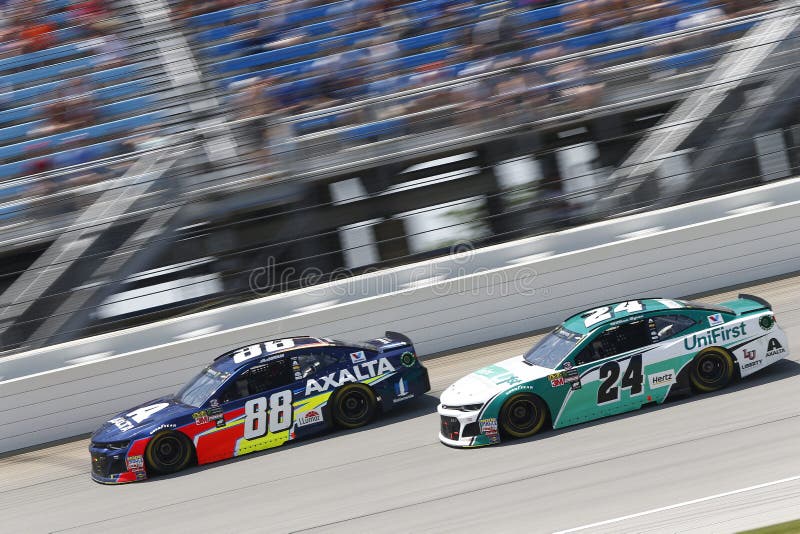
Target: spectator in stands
576, 84
80, 105
254, 103
109, 47
73, 108
472, 97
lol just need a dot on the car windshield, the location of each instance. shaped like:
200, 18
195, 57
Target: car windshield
552, 348
198, 390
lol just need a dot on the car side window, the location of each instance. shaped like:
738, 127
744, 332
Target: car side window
258, 379
312, 362
667, 326
616, 340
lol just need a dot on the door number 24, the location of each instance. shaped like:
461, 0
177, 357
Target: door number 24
632, 379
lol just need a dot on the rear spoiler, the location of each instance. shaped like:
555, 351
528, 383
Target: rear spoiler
753, 298
389, 341
397, 336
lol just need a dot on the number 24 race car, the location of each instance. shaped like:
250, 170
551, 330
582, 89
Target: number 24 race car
259, 397
610, 360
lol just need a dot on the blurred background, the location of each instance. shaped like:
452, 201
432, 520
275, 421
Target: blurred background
153, 154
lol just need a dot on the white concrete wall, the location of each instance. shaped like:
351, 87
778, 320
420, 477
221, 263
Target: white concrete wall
500, 291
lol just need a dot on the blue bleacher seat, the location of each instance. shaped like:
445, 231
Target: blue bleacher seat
687, 59
224, 16
99, 150
105, 93
49, 54
374, 129
50, 87
20, 130
98, 130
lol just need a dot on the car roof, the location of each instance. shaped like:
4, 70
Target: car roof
578, 322
229, 362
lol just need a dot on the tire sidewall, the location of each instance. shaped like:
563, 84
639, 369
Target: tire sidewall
342, 394
152, 462
699, 384
538, 422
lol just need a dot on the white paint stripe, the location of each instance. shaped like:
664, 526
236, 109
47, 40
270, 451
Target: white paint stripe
679, 505
90, 358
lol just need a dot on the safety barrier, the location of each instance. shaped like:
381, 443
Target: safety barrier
466, 298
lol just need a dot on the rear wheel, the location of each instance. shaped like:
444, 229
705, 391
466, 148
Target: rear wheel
169, 452
523, 415
354, 406
711, 370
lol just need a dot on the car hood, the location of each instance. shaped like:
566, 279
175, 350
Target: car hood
142, 420
485, 383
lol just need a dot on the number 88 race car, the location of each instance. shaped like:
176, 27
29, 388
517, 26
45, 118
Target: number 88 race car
611, 360
259, 397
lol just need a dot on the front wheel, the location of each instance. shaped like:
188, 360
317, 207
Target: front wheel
523, 415
354, 406
168, 452
711, 370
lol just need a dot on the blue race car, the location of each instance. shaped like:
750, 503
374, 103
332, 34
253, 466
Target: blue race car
258, 397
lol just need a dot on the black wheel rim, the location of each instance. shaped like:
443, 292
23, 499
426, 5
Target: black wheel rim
711, 368
522, 415
354, 406
169, 451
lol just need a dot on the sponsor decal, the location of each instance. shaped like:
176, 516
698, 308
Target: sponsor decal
556, 382
509, 379
628, 319
212, 413
774, 348
160, 428
358, 357
122, 424
715, 319
751, 364
401, 391
309, 418
499, 375
766, 322
662, 379
489, 429
408, 359
571, 376
271, 358
135, 463
567, 365
576, 386
651, 326
714, 337
363, 371
750, 354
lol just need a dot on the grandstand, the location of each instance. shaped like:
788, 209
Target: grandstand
154, 153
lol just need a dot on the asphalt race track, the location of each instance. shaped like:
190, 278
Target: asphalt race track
713, 463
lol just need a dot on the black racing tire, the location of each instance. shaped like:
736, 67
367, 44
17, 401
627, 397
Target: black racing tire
712, 369
523, 415
168, 452
354, 405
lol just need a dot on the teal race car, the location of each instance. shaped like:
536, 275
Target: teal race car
610, 360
